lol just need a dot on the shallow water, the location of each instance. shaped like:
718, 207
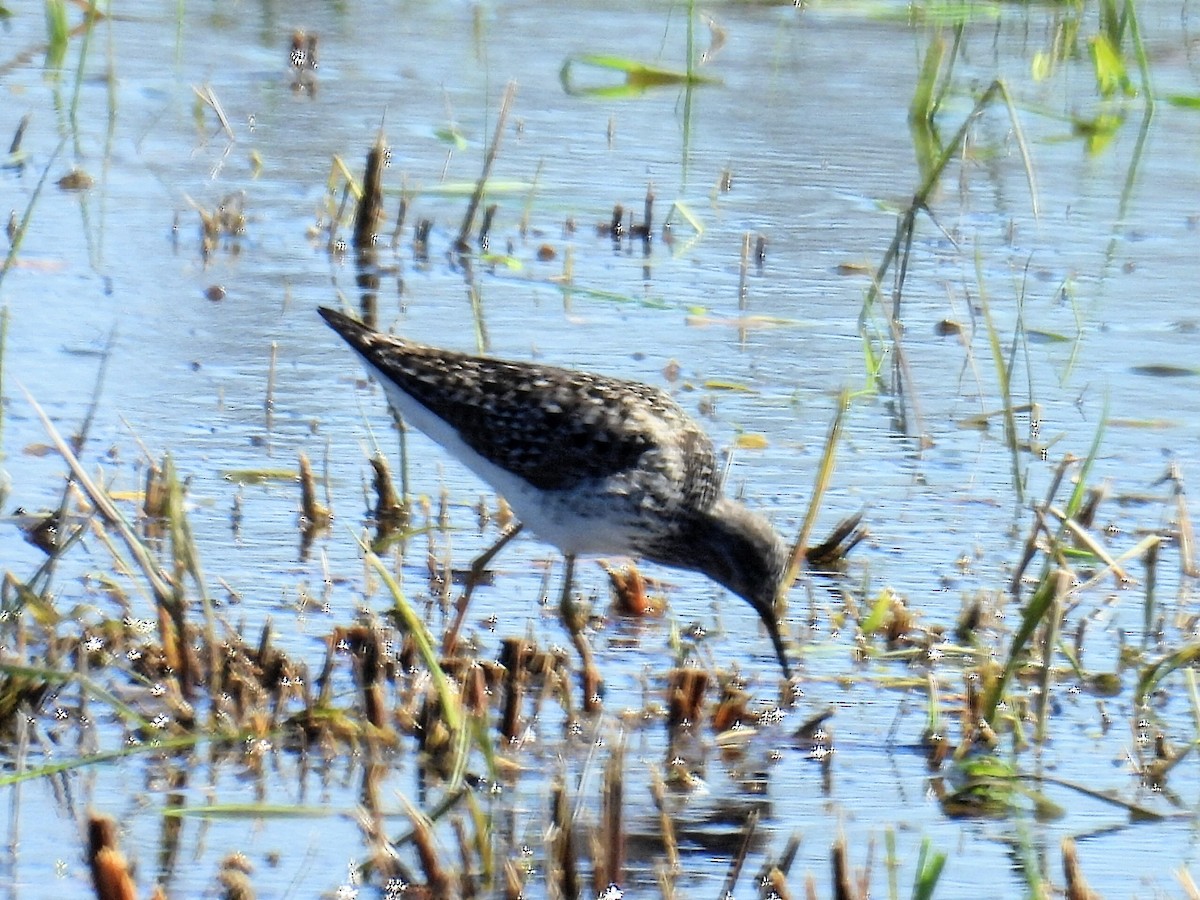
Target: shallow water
809, 123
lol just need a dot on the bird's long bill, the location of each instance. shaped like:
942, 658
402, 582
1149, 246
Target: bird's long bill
770, 620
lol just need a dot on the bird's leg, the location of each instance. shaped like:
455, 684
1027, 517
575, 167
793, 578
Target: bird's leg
478, 567
572, 617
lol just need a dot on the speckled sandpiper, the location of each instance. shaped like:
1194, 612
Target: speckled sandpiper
590, 464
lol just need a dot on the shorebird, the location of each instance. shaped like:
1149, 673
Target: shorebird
588, 463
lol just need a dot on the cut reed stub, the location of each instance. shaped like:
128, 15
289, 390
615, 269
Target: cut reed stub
314, 514
369, 212
732, 709
775, 885
831, 552
157, 493
110, 870
686, 687
234, 877
629, 593
485, 227
390, 513
516, 654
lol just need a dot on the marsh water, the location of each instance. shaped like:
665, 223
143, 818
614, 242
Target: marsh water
1060, 243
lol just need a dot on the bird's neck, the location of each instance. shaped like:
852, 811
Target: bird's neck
729, 543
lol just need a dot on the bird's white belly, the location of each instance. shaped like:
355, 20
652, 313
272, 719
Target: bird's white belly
558, 517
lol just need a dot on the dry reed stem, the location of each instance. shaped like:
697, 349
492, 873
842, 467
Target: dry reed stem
565, 857
1188, 885
159, 581
436, 879
1077, 887
510, 94
824, 477
515, 656
612, 818
843, 883
736, 864
658, 790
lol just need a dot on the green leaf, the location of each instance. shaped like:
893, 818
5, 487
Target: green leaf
258, 476
451, 135
877, 618
638, 76
1099, 131
1037, 336
1111, 76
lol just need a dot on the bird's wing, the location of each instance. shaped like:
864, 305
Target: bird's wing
553, 427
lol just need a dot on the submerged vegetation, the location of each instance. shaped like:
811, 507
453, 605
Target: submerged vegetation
471, 756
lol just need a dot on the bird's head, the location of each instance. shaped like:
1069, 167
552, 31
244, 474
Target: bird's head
740, 550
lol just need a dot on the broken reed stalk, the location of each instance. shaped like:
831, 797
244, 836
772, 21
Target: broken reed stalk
776, 885
685, 696
485, 227
315, 514
187, 559
743, 270
843, 882
367, 652
1077, 886
788, 857
514, 881
110, 870
1063, 580
1183, 520
736, 864
563, 845
1190, 888
464, 233
154, 497
369, 212
1031, 543
1084, 539
530, 195
658, 790
449, 699
1004, 373
158, 580
648, 213
1042, 597
824, 477
515, 655
18, 237
389, 511
611, 869
208, 97
466, 881
436, 878
269, 399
